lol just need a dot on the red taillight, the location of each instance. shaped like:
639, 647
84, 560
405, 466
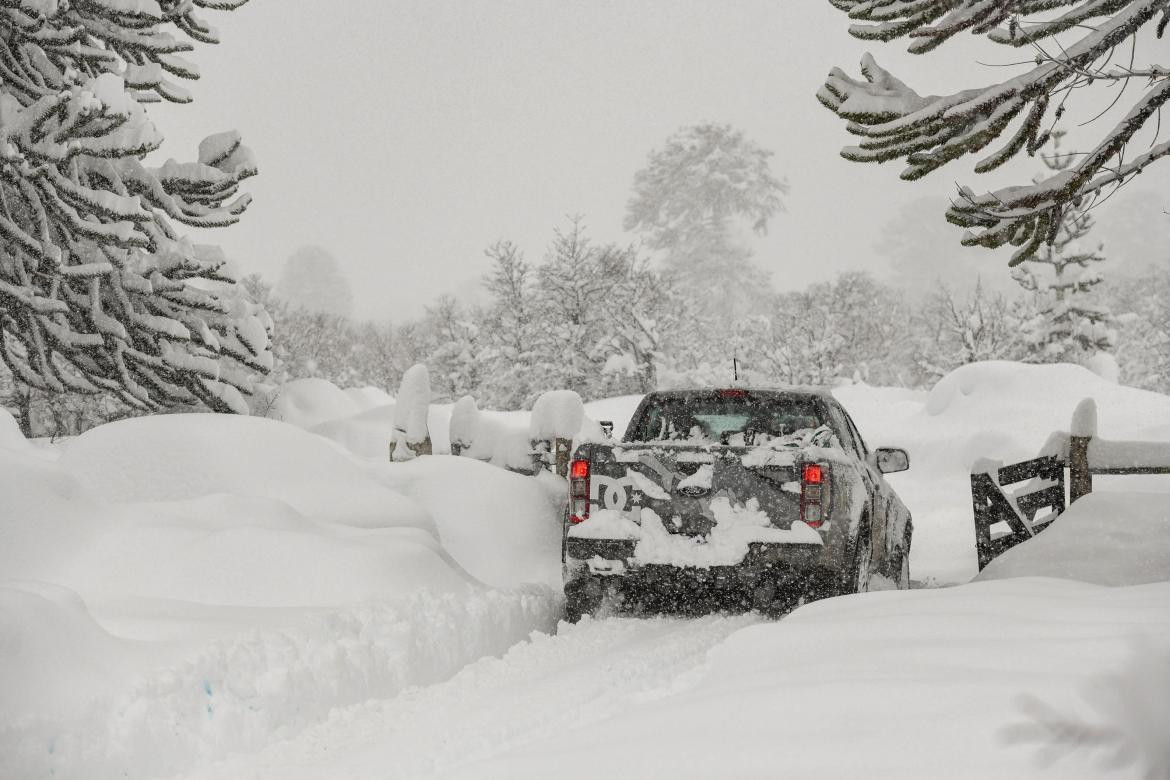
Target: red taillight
814, 494
733, 392
578, 491
813, 474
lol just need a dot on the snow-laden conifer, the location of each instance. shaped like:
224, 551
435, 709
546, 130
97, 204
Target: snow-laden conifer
1067, 45
98, 289
1070, 325
688, 202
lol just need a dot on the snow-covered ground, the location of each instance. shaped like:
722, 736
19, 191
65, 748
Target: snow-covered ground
235, 597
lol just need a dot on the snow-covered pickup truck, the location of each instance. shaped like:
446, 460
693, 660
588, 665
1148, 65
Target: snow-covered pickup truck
769, 495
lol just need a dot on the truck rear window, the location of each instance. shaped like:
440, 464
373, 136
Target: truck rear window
737, 421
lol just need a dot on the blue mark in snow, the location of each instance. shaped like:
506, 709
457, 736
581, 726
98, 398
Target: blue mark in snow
207, 687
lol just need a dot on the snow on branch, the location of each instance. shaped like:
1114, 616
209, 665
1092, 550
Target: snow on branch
895, 122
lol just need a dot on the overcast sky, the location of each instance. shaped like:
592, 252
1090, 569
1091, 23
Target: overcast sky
405, 137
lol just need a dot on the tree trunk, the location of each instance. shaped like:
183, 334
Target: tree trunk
24, 406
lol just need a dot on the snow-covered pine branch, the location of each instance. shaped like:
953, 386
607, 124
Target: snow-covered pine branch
895, 122
98, 292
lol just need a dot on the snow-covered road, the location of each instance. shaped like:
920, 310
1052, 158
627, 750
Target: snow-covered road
548, 686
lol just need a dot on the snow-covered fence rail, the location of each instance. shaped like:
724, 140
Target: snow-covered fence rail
1017, 509
1081, 451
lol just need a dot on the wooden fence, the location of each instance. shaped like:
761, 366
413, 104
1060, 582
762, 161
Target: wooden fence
1086, 455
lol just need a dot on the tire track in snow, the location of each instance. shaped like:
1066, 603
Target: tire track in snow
543, 686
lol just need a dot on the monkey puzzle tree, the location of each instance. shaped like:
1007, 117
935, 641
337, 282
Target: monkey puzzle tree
98, 291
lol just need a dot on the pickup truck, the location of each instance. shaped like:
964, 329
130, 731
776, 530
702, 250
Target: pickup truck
770, 496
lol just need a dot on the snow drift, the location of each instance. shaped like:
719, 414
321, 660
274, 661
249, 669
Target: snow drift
178, 587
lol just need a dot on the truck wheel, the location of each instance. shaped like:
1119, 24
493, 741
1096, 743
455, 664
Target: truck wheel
862, 558
904, 564
583, 597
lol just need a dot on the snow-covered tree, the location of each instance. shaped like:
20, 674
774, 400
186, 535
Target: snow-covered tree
454, 358
953, 330
1070, 324
1070, 45
1143, 343
508, 329
575, 308
313, 280
690, 201
98, 292
850, 327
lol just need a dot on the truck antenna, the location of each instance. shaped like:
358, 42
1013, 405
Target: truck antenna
735, 369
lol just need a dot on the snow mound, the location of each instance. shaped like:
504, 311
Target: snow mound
307, 402
1032, 401
10, 435
54, 659
1103, 538
186, 456
368, 397
556, 414
503, 528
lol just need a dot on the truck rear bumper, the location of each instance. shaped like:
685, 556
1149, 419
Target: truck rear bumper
611, 558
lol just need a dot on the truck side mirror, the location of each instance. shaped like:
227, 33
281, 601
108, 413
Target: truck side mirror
891, 459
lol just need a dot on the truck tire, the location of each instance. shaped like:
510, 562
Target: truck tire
861, 569
583, 597
904, 563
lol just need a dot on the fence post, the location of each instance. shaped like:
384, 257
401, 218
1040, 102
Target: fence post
563, 448
1080, 481
1081, 432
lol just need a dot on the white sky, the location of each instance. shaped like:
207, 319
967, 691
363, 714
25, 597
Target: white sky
405, 137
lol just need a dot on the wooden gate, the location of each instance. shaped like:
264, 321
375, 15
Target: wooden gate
1017, 510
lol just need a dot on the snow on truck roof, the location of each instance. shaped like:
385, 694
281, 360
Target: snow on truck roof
809, 390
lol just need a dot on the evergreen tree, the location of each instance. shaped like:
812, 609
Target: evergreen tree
313, 280
1069, 325
573, 303
688, 202
98, 292
454, 358
1070, 45
508, 329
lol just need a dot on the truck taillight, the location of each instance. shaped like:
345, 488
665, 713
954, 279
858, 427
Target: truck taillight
578, 491
814, 485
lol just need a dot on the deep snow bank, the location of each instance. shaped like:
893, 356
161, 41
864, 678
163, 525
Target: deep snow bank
185, 456
1104, 538
503, 528
176, 587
